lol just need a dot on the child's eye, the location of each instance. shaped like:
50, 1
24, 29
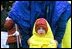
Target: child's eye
38, 28
41, 29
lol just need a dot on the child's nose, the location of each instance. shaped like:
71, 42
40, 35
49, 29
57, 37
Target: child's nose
41, 30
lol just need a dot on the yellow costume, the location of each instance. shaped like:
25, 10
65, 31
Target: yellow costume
46, 41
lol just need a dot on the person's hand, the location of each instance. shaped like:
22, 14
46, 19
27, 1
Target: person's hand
8, 23
56, 42
28, 42
53, 44
14, 34
17, 33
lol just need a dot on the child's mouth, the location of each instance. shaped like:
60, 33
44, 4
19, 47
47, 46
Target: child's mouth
41, 33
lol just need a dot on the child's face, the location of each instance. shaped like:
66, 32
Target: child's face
41, 31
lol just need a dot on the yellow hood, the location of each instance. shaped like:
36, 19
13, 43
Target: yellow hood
49, 32
45, 41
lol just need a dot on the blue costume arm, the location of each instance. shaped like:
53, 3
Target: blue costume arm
20, 13
61, 23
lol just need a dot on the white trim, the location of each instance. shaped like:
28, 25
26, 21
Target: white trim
69, 2
8, 18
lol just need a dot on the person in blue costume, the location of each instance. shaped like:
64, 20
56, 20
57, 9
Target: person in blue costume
24, 14
58, 16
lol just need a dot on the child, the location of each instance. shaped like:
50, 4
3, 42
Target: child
42, 35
